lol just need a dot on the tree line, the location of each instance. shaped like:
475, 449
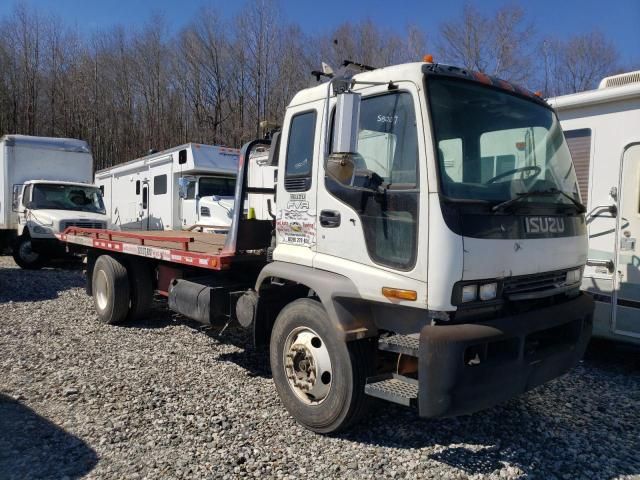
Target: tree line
128, 91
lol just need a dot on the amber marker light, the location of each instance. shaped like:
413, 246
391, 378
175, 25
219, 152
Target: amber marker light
399, 294
428, 58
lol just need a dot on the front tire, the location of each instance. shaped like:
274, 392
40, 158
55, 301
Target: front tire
319, 377
24, 256
110, 286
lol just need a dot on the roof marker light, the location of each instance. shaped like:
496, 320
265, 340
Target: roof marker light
428, 58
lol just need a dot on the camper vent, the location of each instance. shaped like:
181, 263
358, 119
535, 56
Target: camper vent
620, 80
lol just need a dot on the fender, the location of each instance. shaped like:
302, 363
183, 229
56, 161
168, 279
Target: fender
348, 312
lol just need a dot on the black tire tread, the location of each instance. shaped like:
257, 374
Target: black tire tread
141, 285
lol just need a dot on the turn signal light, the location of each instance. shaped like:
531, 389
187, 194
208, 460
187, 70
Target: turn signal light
399, 294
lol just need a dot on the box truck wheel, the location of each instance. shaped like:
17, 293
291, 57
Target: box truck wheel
320, 378
141, 284
110, 289
24, 255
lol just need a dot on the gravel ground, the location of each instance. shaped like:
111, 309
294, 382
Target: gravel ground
165, 399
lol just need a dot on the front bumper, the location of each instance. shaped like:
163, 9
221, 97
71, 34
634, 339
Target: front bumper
469, 367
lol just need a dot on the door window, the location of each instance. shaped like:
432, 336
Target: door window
145, 197
300, 149
388, 152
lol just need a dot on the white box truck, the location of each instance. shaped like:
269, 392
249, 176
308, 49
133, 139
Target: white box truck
45, 187
381, 275
187, 187
602, 128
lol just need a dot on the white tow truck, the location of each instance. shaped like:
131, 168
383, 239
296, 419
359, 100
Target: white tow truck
427, 249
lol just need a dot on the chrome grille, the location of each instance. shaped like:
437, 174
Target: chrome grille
81, 224
538, 282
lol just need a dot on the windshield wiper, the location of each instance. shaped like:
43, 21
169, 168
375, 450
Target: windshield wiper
546, 193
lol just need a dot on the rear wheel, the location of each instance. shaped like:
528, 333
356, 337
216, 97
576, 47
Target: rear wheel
110, 285
320, 378
24, 255
141, 285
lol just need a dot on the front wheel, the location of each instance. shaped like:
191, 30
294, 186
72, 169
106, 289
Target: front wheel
24, 255
319, 378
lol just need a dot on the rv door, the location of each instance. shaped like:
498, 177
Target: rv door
627, 306
188, 201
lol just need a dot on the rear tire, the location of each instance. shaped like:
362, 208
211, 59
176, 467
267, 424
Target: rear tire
302, 339
111, 294
141, 285
24, 256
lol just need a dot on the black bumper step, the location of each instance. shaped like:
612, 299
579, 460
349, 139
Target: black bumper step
393, 388
405, 344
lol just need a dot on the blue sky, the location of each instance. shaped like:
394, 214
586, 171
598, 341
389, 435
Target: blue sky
618, 19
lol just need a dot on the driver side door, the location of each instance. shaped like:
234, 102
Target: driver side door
363, 231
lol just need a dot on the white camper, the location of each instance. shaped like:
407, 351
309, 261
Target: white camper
602, 128
45, 186
180, 188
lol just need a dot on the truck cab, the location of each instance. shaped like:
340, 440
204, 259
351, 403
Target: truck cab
45, 208
449, 228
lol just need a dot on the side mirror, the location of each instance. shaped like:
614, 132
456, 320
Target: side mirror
341, 167
183, 185
346, 125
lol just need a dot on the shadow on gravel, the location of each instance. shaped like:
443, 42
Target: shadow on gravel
33, 447
17, 285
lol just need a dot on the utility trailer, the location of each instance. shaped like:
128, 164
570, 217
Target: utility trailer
398, 266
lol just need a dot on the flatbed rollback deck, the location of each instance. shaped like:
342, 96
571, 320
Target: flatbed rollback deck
360, 286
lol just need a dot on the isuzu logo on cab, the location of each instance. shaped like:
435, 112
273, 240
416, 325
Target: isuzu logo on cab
544, 224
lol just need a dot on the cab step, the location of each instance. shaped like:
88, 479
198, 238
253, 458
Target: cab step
393, 388
405, 344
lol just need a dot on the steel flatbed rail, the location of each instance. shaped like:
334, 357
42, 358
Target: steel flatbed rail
196, 249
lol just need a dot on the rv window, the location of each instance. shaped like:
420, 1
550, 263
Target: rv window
137, 187
299, 157
159, 184
145, 196
182, 157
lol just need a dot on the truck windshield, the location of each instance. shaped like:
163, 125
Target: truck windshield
67, 197
493, 146
219, 186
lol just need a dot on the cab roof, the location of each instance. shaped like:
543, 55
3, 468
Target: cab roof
415, 72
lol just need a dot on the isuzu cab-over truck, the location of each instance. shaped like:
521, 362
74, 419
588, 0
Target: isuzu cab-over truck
427, 248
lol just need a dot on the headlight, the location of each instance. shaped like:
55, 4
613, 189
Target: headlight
488, 291
41, 230
469, 293
573, 276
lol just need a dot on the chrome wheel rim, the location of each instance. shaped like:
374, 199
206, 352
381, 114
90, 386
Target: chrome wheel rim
102, 290
307, 365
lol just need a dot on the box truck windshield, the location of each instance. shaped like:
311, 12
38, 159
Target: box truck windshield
66, 197
494, 147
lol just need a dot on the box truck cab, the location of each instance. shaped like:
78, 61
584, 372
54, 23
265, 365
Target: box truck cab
45, 188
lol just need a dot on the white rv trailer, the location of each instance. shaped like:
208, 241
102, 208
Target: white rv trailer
45, 187
186, 187
602, 128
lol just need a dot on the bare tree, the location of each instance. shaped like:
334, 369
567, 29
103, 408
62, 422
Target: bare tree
496, 45
579, 63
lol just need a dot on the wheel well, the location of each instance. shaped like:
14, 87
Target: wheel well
274, 295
